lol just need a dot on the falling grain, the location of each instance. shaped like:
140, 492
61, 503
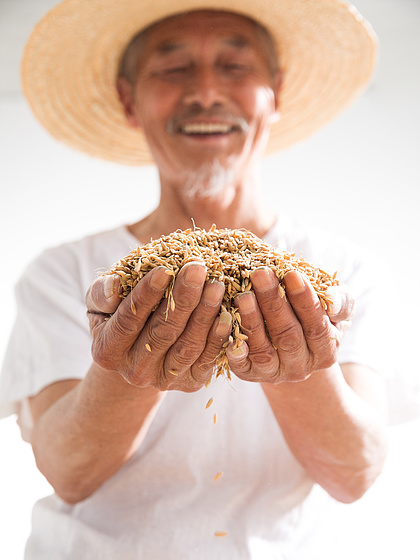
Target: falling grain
148, 348
217, 476
209, 402
220, 533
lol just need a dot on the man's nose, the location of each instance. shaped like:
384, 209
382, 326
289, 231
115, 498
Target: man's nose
206, 88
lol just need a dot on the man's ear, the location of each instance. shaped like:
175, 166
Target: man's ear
126, 95
277, 83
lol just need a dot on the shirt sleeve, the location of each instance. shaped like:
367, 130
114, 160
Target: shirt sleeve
50, 340
372, 339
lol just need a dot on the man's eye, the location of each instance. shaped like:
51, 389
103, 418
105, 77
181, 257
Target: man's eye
233, 66
176, 70
172, 72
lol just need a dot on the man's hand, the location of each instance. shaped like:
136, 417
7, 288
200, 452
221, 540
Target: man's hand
163, 348
304, 337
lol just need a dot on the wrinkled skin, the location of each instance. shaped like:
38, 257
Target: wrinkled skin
147, 346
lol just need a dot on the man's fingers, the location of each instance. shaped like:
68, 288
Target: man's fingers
189, 346
239, 361
342, 305
202, 369
258, 354
167, 323
321, 336
342, 327
170, 319
102, 299
284, 327
122, 329
103, 295
133, 312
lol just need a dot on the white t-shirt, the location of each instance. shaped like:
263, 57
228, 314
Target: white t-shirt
164, 502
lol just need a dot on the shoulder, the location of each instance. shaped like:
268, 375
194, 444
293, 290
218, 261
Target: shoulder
354, 265
79, 261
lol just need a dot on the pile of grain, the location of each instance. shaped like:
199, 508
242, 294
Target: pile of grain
230, 256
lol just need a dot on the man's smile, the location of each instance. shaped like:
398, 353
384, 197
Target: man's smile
206, 128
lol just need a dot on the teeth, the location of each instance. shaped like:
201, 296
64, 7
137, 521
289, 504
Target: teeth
206, 128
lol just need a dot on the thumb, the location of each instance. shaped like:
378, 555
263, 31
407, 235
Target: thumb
342, 304
103, 295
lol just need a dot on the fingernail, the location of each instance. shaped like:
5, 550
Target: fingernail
159, 279
195, 275
224, 324
334, 302
295, 283
238, 352
213, 293
110, 285
262, 279
333, 307
246, 302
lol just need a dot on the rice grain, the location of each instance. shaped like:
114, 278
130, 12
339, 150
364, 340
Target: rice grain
229, 256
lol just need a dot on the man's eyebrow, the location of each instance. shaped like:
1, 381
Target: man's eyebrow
237, 41
168, 47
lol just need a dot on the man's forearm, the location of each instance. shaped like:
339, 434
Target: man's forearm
338, 437
86, 436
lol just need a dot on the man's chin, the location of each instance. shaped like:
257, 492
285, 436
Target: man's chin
210, 180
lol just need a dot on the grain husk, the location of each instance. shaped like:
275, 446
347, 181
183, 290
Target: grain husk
229, 256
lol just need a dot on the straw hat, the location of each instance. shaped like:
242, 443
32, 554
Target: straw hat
327, 52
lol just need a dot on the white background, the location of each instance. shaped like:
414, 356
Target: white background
359, 176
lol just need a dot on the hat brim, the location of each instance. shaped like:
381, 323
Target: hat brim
327, 51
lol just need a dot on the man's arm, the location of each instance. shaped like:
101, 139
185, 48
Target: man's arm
85, 431
338, 436
332, 418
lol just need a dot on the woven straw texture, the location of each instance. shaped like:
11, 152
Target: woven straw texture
328, 54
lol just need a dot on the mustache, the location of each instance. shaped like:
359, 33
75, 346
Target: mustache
176, 122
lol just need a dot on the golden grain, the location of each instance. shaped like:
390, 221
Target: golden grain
241, 336
229, 256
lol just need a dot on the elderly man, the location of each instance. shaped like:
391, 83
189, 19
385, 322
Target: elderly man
130, 451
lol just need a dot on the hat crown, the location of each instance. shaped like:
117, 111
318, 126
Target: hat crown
327, 52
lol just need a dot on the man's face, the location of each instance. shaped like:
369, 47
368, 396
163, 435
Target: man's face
204, 94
